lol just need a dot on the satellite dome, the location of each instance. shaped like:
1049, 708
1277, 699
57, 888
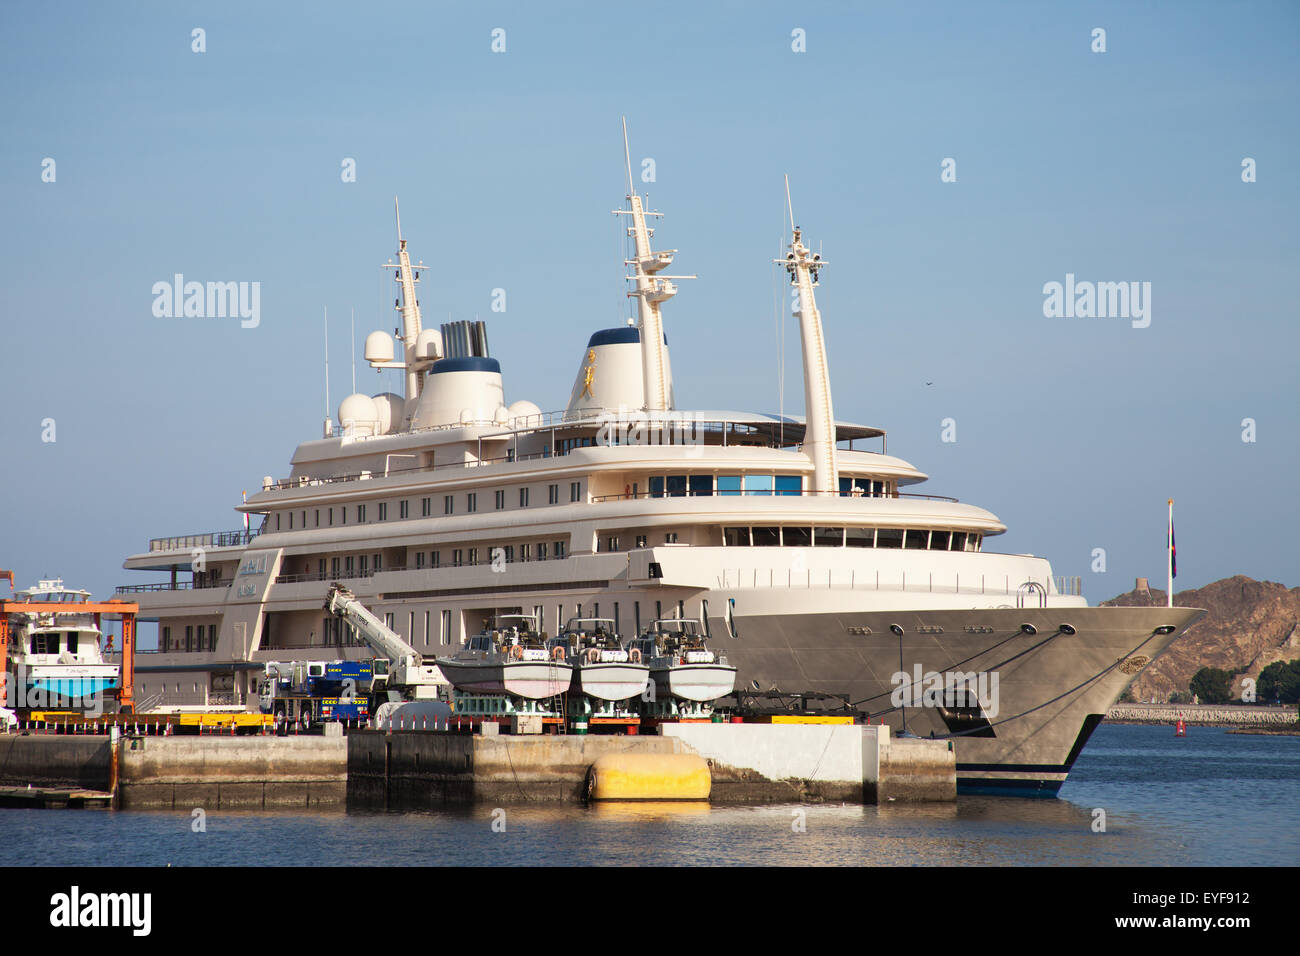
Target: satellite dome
526, 410
358, 415
379, 347
391, 409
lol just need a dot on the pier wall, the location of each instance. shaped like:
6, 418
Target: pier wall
181, 773
423, 770
777, 763
748, 764
41, 761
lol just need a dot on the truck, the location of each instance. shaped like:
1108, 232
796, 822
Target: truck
308, 692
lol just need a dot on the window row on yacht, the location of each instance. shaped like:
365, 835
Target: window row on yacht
788, 536
658, 486
464, 503
692, 485
198, 637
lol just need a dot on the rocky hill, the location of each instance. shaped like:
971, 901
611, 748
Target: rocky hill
1250, 624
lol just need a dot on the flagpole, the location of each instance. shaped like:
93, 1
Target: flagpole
1169, 553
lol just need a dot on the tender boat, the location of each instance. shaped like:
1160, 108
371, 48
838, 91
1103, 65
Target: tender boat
602, 667
509, 657
681, 663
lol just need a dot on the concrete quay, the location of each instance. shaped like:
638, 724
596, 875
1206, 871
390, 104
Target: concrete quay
746, 764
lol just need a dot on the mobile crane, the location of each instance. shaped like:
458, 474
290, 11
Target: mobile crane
409, 677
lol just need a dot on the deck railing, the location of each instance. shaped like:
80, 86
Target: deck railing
209, 539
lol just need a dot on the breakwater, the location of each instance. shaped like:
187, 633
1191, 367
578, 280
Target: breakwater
1203, 715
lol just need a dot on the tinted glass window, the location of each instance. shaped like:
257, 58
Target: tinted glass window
889, 538
860, 537
701, 484
917, 539
797, 537
676, 486
828, 537
788, 484
657, 486
729, 484
758, 484
939, 540
958, 541
767, 537
736, 536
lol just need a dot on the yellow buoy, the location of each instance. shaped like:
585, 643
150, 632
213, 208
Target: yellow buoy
649, 777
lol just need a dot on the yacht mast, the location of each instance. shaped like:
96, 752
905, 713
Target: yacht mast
409, 308
819, 434
652, 290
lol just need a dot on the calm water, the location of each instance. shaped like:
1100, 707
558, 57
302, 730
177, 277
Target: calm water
1208, 799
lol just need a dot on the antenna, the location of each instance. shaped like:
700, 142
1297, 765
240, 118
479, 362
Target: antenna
788, 204
327, 362
398, 209
627, 155
354, 351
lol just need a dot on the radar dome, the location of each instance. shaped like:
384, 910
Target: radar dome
391, 409
526, 410
379, 347
358, 415
429, 344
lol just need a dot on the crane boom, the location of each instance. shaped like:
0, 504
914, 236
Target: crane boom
343, 603
408, 673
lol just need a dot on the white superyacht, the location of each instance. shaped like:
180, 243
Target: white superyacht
791, 540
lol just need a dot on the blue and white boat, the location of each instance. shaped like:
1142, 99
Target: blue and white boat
55, 660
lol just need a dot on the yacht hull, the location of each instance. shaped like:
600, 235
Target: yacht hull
1051, 689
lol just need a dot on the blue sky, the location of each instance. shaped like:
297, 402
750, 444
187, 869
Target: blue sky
225, 165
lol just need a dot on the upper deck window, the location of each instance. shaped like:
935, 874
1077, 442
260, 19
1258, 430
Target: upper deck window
796, 537
728, 484
676, 486
733, 537
889, 538
863, 538
917, 540
789, 484
828, 537
758, 484
862, 488
701, 485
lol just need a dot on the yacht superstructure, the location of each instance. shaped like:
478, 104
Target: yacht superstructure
792, 540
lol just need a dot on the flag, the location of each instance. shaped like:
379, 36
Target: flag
1173, 551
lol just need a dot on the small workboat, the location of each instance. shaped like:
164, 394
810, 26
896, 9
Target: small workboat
681, 663
509, 656
602, 667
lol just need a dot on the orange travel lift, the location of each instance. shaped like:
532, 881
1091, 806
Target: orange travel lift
111, 608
